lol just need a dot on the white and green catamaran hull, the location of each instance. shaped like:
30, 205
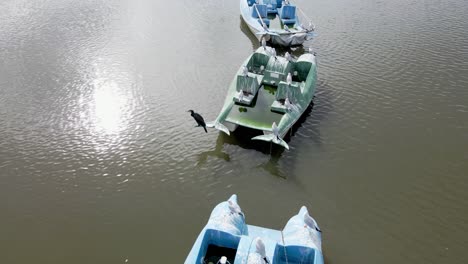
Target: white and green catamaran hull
262, 96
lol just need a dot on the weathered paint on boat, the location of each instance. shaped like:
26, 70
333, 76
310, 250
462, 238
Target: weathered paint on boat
227, 234
265, 108
296, 33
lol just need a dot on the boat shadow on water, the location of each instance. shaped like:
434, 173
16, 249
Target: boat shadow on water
245, 29
242, 137
306, 130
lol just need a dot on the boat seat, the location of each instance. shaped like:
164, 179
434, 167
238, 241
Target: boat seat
288, 14
254, 65
270, 250
276, 70
243, 250
278, 106
262, 9
250, 2
258, 76
262, 12
247, 87
220, 240
279, 3
272, 6
265, 20
302, 68
295, 254
292, 92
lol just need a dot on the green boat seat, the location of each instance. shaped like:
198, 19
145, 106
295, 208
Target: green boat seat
257, 63
276, 70
302, 68
258, 76
292, 92
288, 14
278, 106
247, 87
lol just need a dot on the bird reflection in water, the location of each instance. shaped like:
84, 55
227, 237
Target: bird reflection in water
217, 152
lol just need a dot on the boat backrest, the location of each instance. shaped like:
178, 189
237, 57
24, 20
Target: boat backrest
269, 2
257, 60
288, 12
272, 5
282, 91
279, 3
276, 70
217, 238
247, 84
302, 68
294, 254
292, 91
262, 9
250, 2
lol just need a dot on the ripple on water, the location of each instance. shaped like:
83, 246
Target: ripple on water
93, 104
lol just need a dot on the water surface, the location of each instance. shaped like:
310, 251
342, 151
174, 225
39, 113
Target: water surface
100, 162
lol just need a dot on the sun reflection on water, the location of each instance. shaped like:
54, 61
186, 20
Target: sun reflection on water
108, 107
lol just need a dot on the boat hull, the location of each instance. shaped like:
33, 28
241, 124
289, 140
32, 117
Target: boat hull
268, 109
227, 235
279, 37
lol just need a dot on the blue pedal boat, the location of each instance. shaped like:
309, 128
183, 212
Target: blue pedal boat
227, 239
276, 21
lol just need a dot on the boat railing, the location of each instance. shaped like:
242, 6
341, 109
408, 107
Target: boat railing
306, 21
260, 16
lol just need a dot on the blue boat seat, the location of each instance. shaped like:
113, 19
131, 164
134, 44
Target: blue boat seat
295, 254
288, 14
250, 2
279, 3
213, 237
270, 251
272, 6
266, 21
262, 11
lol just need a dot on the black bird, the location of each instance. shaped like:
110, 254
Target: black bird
199, 119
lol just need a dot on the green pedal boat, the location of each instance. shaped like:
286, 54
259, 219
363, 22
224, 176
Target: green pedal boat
269, 93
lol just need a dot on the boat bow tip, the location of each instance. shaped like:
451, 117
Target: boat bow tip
217, 125
272, 138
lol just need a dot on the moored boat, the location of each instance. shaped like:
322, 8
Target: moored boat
227, 238
269, 93
277, 21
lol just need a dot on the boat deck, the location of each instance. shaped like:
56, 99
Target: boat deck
259, 114
275, 22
